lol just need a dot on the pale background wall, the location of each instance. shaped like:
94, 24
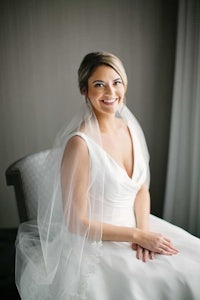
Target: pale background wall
41, 46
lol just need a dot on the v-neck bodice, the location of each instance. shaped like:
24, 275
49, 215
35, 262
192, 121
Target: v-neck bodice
120, 189
133, 158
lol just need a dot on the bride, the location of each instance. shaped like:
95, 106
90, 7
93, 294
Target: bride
94, 237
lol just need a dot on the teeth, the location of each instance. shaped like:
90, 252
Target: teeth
109, 101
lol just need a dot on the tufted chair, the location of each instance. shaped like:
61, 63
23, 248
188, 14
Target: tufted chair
25, 175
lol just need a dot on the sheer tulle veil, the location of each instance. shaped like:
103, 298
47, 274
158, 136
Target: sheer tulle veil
57, 246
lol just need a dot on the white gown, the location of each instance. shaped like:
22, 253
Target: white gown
119, 274
111, 271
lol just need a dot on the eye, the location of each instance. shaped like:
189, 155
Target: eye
98, 84
118, 82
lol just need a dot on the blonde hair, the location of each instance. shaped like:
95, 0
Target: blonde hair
92, 60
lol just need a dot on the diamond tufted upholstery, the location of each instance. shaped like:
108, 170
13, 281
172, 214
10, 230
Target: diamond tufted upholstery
26, 177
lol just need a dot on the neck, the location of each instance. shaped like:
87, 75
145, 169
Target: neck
107, 122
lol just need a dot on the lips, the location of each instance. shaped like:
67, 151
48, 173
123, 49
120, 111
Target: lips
109, 101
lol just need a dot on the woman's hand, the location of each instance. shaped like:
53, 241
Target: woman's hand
148, 243
142, 253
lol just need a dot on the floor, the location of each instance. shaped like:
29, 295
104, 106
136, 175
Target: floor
8, 289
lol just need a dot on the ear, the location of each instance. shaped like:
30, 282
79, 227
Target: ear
84, 92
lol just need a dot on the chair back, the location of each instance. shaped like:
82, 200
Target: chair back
26, 177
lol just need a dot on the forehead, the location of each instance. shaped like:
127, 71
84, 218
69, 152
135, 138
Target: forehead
104, 73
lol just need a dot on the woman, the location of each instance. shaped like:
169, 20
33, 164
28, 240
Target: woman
96, 238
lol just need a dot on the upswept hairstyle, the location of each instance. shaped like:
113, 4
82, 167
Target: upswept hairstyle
92, 60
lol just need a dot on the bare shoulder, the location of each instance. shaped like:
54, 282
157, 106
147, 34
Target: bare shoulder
76, 145
75, 159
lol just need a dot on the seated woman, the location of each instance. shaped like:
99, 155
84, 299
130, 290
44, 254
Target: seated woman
94, 237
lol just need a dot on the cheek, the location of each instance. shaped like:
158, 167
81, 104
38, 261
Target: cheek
94, 94
122, 92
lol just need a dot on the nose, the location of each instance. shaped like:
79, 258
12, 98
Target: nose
110, 89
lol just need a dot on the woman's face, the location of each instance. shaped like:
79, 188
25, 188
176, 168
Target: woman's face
105, 90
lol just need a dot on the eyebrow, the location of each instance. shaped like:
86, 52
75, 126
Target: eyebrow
97, 81
103, 81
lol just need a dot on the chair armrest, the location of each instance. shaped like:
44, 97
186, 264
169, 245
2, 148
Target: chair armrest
13, 178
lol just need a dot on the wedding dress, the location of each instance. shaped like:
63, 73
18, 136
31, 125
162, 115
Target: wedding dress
119, 274
71, 266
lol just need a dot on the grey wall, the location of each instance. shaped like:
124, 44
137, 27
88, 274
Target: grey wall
42, 44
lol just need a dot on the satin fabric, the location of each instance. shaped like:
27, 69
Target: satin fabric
55, 262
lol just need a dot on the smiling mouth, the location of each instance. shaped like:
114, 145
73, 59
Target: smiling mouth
109, 101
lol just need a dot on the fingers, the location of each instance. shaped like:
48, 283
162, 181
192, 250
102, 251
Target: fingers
152, 243
164, 246
148, 255
152, 255
144, 254
168, 248
139, 254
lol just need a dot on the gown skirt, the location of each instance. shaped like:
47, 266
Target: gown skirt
118, 274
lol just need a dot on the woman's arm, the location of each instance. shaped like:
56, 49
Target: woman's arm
142, 208
142, 212
75, 166
74, 183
